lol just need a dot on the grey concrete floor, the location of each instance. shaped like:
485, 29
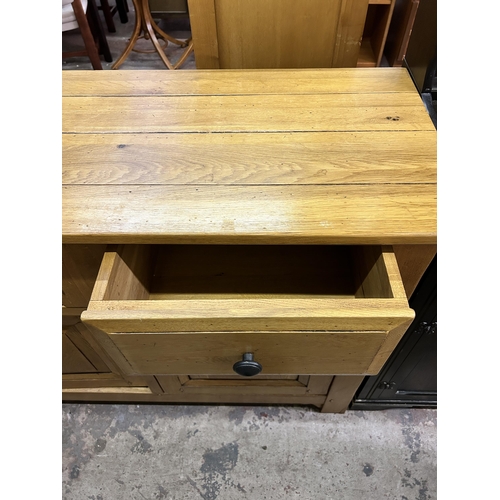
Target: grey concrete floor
174, 452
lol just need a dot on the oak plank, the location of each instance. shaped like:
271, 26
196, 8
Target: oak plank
277, 34
365, 214
349, 33
234, 82
79, 341
247, 388
249, 113
170, 384
412, 261
248, 158
73, 360
315, 353
204, 32
341, 393
89, 380
247, 315
80, 264
144, 394
319, 384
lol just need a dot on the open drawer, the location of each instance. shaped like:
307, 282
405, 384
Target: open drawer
298, 309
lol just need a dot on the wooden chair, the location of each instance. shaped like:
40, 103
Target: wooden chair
74, 16
120, 6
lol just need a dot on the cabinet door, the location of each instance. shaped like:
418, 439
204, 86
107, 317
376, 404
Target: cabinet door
409, 378
246, 34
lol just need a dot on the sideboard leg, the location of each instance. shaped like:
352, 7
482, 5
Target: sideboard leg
341, 393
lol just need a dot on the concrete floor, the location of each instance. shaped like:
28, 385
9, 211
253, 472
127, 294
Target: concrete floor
169, 452
174, 452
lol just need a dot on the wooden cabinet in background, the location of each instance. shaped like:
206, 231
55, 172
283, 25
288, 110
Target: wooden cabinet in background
252, 34
400, 30
378, 19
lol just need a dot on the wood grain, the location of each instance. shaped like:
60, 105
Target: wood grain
247, 158
349, 33
276, 34
80, 264
235, 82
204, 31
282, 353
246, 315
365, 214
412, 261
341, 393
248, 113
144, 394
73, 360
335, 157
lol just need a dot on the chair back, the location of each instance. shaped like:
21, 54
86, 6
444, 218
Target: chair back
69, 21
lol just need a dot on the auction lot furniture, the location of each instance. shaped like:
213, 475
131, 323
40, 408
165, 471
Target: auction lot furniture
240, 236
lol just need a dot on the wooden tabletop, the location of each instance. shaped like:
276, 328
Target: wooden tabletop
330, 156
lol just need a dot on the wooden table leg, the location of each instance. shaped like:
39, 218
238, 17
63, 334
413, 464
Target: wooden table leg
341, 393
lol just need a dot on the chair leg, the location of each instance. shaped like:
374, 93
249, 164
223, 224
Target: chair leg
98, 31
108, 16
88, 39
122, 7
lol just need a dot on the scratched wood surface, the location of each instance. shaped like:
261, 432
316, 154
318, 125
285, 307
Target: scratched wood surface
333, 156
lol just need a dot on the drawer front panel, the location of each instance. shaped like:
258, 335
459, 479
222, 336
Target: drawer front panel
215, 353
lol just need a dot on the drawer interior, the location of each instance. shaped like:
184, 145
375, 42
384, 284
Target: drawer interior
170, 272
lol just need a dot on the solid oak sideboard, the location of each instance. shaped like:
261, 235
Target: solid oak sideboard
240, 236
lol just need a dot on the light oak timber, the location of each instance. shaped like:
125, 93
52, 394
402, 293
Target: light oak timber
379, 34
170, 384
276, 34
365, 214
79, 270
341, 393
204, 30
144, 394
378, 273
74, 381
413, 260
248, 158
73, 360
116, 279
86, 332
235, 82
249, 113
246, 387
388, 346
246, 315
349, 33
79, 341
193, 378
284, 353
244, 157
100, 380
319, 384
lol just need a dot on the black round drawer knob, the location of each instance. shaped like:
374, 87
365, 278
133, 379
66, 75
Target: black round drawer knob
247, 367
